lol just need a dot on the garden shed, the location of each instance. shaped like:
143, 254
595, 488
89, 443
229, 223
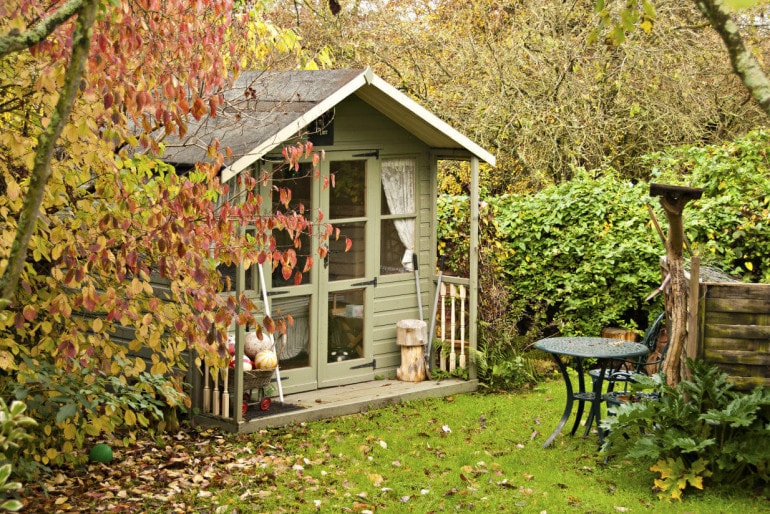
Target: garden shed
383, 150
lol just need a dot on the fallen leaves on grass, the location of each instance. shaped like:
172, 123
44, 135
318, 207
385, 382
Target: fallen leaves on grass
171, 473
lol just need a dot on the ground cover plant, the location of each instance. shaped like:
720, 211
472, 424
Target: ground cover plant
479, 452
700, 432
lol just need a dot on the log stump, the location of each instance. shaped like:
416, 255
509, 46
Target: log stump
411, 337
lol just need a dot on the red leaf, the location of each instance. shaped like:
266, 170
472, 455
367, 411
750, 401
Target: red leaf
67, 349
213, 104
89, 299
348, 244
29, 312
199, 108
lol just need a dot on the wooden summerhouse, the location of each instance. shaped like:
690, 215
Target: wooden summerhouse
383, 150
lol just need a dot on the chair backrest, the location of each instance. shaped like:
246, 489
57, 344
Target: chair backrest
650, 340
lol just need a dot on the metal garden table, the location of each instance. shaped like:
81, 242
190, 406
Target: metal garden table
600, 348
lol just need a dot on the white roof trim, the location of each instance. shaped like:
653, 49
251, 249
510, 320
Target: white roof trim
433, 120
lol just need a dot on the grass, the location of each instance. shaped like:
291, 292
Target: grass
479, 452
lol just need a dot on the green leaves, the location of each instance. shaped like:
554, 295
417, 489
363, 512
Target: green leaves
701, 429
728, 225
581, 254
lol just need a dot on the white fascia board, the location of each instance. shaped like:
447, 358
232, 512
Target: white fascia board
290, 130
432, 120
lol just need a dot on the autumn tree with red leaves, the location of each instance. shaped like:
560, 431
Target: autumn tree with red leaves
92, 220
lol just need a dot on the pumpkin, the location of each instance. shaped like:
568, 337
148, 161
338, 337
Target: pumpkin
248, 365
252, 344
266, 359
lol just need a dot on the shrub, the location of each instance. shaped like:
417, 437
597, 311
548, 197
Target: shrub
728, 225
14, 438
697, 432
74, 403
582, 255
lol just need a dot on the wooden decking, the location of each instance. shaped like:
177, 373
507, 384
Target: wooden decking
339, 401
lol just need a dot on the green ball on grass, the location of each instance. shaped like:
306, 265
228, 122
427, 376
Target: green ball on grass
100, 453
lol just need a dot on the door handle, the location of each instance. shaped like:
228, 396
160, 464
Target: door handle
372, 282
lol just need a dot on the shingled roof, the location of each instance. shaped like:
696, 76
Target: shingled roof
265, 108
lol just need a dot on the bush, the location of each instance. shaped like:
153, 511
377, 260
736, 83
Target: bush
697, 432
582, 255
729, 225
14, 439
76, 402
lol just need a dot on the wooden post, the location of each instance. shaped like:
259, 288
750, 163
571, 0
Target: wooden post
473, 287
691, 347
673, 200
452, 354
410, 336
443, 352
462, 327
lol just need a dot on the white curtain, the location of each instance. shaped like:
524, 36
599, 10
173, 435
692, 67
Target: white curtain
398, 184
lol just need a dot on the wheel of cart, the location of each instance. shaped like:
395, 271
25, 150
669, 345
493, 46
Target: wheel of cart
256, 379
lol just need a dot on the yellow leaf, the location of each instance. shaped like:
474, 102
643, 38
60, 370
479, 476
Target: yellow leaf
91, 429
51, 453
749, 266
159, 368
13, 191
70, 432
97, 325
130, 418
741, 4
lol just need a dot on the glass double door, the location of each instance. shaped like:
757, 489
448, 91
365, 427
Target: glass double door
330, 292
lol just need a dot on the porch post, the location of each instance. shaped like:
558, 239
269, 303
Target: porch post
473, 289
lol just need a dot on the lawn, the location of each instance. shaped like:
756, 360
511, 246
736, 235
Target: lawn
480, 452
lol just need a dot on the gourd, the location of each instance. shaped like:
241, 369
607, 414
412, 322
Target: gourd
266, 359
252, 344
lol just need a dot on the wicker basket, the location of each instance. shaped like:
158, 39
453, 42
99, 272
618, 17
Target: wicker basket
252, 379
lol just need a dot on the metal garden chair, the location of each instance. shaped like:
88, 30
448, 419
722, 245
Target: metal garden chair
624, 371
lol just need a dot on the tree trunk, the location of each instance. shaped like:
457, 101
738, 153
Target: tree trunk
673, 199
46, 143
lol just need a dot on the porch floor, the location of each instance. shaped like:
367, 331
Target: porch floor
340, 401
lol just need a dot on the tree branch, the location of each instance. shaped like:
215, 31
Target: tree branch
744, 63
17, 41
46, 142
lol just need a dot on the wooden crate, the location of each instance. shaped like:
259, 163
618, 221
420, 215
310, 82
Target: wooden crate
734, 330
